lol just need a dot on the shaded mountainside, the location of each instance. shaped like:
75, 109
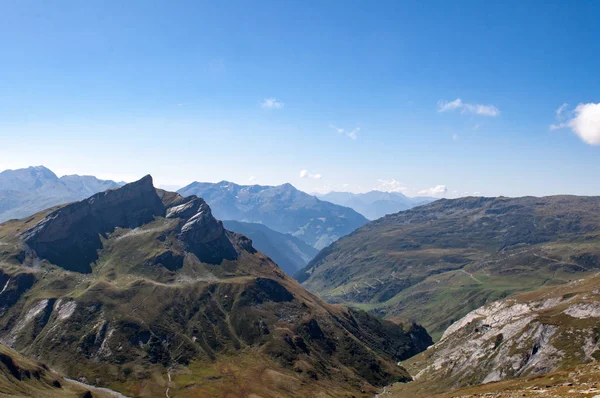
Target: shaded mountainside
143, 291
282, 208
435, 263
375, 204
24, 192
550, 330
289, 253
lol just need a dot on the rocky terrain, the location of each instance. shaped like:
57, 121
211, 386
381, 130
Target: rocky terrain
550, 336
437, 262
282, 208
375, 204
578, 382
24, 192
289, 253
144, 292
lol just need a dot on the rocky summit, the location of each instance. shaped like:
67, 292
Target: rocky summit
144, 292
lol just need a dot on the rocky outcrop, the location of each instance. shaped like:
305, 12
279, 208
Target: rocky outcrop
531, 334
203, 235
70, 236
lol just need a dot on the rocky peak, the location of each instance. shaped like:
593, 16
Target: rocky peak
70, 236
203, 234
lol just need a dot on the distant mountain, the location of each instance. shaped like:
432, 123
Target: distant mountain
437, 262
24, 192
289, 252
143, 291
86, 186
282, 208
375, 204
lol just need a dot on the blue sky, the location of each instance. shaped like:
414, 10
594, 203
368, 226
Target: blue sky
257, 92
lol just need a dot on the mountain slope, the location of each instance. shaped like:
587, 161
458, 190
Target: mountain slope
375, 204
289, 253
28, 378
282, 208
437, 262
531, 334
24, 192
145, 292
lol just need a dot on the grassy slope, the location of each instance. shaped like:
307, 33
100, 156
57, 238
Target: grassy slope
437, 262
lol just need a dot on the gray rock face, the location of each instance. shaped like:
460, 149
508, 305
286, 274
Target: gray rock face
70, 236
530, 334
204, 235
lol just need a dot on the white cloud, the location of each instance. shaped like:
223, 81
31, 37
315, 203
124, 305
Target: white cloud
271, 103
585, 122
352, 134
455, 137
306, 174
435, 191
477, 109
390, 186
251, 178
444, 106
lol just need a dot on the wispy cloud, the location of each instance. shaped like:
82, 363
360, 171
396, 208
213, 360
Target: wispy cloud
306, 174
352, 134
392, 185
560, 111
584, 121
271, 103
251, 178
476, 109
455, 137
438, 190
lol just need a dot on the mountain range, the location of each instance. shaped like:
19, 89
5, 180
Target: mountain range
142, 291
26, 191
137, 291
282, 208
437, 262
375, 204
